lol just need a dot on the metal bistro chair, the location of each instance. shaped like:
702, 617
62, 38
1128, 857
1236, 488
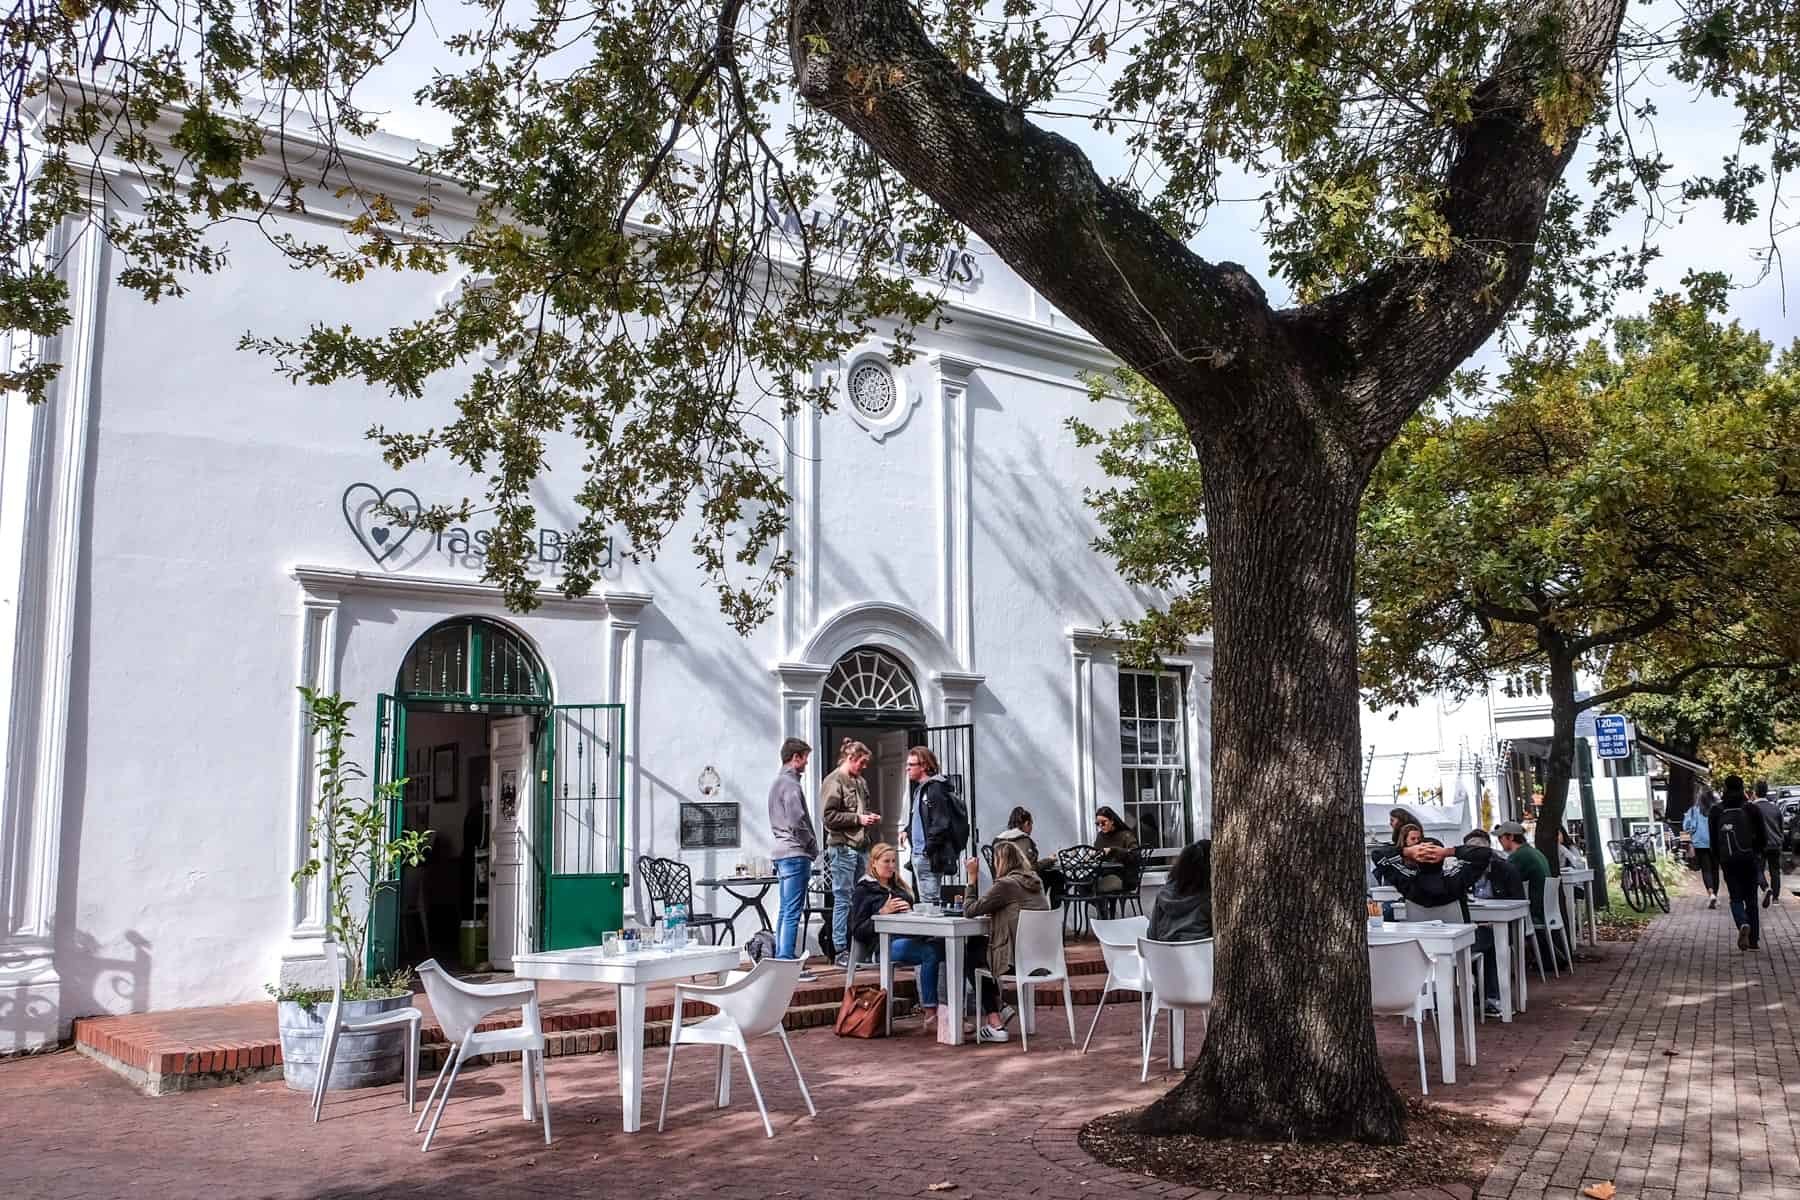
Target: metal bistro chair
1124, 967
461, 1007
336, 1027
1133, 896
669, 881
751, 1004
820, 902
1080, 867
987, 856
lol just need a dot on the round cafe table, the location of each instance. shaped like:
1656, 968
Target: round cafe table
748, 891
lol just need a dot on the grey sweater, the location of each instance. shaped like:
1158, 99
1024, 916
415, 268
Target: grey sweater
790, 821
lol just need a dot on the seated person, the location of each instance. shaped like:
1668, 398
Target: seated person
1114, 839
1016, 887
1398, 819
1018, 829
882, 891
1183, 909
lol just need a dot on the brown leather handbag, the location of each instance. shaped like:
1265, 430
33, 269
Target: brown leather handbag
863, 1013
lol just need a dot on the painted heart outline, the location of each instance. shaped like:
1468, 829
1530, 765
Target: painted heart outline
378, 535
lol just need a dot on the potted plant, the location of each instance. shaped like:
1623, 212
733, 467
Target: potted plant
350, 846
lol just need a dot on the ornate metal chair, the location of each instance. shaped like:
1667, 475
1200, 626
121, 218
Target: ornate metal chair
669, 881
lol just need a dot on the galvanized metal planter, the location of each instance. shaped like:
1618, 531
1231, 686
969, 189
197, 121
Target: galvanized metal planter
361, 1059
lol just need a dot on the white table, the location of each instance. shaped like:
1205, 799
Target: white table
1509, 948
1450, 947
954, 931
1584, 877
632, 974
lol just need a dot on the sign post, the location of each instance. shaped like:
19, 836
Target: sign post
1612, 741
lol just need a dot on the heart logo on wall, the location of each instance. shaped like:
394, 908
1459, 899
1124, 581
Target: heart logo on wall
381, 535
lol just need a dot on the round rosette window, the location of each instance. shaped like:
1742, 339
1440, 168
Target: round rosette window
877, 396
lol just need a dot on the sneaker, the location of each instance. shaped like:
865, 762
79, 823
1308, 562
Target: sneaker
1767, 896
987, 1033
808, 977
1713, 903
1743, 937
1492, 1009
1007, 1013
842, 961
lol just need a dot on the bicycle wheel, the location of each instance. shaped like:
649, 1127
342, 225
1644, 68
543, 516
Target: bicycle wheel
1632, 884
1658, 892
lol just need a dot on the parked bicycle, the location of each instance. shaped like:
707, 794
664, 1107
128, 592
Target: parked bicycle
1638, 877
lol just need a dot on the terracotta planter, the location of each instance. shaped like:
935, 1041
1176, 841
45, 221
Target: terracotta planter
361, 1060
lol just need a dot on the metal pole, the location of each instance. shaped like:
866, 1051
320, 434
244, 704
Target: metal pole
1590, 823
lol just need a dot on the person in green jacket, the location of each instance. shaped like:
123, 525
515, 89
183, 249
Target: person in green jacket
1534, 870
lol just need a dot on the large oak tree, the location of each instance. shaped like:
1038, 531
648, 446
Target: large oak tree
634, 274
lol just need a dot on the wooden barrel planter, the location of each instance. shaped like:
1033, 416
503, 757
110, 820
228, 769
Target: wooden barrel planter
362, 1059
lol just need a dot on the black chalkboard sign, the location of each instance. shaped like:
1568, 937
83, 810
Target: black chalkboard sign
709, 826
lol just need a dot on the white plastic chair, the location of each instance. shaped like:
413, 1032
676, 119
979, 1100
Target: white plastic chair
1452, 914
1124, 966
460, 1007
1037, 958
336, 1026
1181, 981
1400, 975
1554, 925
751, 1004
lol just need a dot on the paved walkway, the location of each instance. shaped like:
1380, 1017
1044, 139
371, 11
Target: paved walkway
894, 1118
1685, 1083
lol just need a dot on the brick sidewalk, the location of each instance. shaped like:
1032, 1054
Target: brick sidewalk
1715, 1119
894, 1118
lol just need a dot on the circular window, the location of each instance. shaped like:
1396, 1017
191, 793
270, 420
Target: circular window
872, 389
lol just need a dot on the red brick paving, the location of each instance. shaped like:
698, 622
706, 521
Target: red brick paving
894, 1117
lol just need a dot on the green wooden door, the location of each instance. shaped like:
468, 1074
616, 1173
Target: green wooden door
384, 897
581, 774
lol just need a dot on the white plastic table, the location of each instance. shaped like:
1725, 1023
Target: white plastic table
1509, 948
1584, 877
632, 974
954, 931
1450, 947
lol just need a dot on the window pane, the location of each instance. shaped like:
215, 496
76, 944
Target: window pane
1171, 742
1168, 689
1146, 690
1127, 694
1128, 740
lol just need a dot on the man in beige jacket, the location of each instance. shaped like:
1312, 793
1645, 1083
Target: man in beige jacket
848, 819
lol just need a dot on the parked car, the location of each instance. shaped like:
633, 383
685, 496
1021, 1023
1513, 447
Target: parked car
1787, 798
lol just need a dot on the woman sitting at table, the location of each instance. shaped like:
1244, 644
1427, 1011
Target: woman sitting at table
1015, 887
1183, 909
883, 892
1114, 839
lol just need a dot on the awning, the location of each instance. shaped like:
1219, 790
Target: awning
1674, 759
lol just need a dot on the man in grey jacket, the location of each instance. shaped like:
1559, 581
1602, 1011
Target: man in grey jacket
792, 845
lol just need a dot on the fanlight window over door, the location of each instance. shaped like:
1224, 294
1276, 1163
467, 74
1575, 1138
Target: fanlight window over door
873, 681
472, 661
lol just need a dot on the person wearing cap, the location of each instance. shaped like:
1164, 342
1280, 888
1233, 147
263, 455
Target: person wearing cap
1534, 870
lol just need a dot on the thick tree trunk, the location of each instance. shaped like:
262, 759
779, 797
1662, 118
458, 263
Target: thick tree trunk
1561, 767
1290, 1045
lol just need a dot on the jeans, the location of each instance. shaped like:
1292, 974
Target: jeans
925, 954
846, 864
1490, 971
793, 873
1772, 870
1740, 881
930, 882
1709, 868
975, 958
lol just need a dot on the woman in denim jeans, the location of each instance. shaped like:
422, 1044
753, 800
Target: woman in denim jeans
882, 891
792, 845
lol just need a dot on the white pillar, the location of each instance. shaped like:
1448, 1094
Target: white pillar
624, 657
50, 443
316, 666
955, 535
1081, 697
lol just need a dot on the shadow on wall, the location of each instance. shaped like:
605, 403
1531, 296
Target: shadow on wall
90, 983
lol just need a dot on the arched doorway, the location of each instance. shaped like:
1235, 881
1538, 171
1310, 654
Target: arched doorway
524, 796
870, 695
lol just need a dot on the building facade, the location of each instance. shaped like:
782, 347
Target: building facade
188, 539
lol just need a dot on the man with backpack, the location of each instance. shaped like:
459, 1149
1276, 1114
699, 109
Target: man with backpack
1739, 839
937, 828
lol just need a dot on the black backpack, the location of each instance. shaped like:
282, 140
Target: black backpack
1737, 836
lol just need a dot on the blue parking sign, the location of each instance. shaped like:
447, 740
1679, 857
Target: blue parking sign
1612, 737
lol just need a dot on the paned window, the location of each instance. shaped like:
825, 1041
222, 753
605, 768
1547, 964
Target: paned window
1153, 757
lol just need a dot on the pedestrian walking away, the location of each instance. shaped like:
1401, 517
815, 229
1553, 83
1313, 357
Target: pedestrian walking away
1739, 839
848, 819
1770, 812
1698, 824
793, 846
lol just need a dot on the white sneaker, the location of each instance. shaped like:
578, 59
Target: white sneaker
808, 977
987, 1033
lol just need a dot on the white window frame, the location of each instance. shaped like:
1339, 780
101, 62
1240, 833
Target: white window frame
1176, 767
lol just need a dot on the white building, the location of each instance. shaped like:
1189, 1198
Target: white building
188, 539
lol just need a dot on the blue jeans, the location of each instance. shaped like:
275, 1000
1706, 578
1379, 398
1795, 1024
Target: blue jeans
1740, 881
846, 864
925, 954
930, 882
793, 873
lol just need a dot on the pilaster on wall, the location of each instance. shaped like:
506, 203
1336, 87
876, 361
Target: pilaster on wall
801, 684
955, 533
800, 475
1082, 645
50, 530
958, 688
303, 957
624, 656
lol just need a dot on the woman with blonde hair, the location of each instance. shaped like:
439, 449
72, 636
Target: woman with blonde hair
881, 892
1016, 887
848, 819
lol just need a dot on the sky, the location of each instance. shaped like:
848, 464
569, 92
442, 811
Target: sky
1692, 132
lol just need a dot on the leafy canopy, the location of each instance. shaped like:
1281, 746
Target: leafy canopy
634, 279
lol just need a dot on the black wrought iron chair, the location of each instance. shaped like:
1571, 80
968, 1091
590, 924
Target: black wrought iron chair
669, 881
987, 856
1080, 889
818, 903
1133, 896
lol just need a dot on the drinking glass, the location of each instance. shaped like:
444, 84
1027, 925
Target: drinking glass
614, 944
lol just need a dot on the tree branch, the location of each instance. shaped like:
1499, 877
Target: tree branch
1189, 325
1665, 612
1394, 337
1672, 684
